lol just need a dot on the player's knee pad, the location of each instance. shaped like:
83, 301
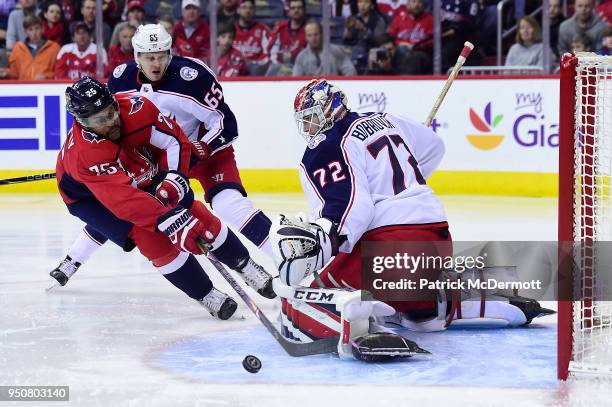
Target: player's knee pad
238, 212
186, 274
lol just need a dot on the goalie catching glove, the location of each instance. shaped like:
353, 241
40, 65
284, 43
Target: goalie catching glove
300, 248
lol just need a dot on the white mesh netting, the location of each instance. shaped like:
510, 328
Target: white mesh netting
592, 338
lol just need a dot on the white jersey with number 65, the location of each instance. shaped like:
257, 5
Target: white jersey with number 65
370, 171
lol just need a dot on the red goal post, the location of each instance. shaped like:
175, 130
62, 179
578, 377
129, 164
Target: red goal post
585, 215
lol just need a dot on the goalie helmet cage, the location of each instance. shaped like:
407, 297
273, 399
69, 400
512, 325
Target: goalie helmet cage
585, 210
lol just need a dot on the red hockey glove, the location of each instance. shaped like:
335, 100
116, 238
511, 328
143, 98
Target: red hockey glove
174, 190
200, 149
183, 229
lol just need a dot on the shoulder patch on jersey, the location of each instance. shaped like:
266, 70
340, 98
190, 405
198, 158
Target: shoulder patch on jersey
137, 104
91, 137
188, 73
118, 71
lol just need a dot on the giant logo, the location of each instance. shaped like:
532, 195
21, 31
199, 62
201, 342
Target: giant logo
531, 128
487, 139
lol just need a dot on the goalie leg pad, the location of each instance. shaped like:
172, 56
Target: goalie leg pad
383, 346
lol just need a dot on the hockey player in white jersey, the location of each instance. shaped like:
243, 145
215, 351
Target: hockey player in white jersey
365, 179
186, 90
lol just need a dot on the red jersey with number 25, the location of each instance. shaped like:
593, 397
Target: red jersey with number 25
89, 166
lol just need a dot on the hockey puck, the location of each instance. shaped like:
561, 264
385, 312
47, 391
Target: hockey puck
251, 364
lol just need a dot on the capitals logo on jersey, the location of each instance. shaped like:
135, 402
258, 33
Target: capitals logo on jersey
137, 104
91, 137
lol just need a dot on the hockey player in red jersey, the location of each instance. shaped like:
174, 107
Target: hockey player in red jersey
120, 171
365, 176
186, 90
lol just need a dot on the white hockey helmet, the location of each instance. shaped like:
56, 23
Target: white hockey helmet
151, 38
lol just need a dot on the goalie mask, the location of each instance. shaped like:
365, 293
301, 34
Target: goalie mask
317, 106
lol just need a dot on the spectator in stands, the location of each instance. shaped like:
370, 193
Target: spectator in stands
392, 8
556, 18
78, 58
191, 34
287, 40
606, 42
252, 38
231, 62
6, 6
604, 10
122, 52
69, 10
363, 27
581, 43
88, 10
15, 31
528, 49
389, 59
413, 30
584, 21
111, 13
344, 8
228, 12
54, 25
361, 30
308, 61
156, 9
34, 58
168, 23
459, 18
135, 18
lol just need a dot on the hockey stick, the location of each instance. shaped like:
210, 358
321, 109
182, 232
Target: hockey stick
327, 345
27, 178
467, 48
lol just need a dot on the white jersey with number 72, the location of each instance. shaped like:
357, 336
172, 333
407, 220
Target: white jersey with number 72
370, 171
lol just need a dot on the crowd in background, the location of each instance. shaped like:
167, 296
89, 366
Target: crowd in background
55, 39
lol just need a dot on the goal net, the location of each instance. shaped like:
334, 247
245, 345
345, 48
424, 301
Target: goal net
585, 211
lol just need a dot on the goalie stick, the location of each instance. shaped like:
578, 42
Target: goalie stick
321, 346
467, 48
27, 178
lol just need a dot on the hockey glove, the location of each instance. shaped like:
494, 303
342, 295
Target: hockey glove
301, 248
174, 190
184, 229
200, 149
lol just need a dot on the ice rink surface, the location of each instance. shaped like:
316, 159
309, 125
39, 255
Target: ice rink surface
120, 335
